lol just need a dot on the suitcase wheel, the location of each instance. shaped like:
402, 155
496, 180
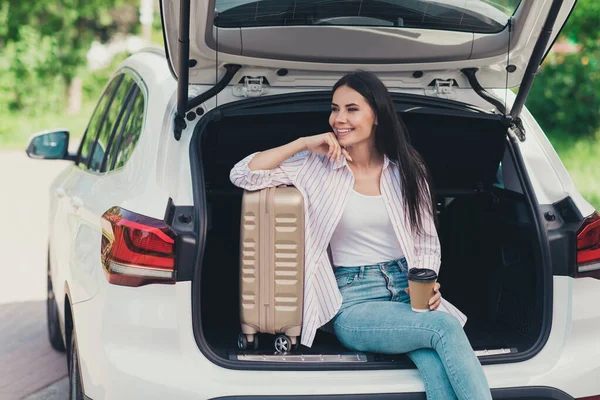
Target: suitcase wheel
242, 341
283, 344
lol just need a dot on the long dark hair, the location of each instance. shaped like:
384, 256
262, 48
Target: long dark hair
392, 139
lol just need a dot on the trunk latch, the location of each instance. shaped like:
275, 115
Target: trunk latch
252, 87
442, 88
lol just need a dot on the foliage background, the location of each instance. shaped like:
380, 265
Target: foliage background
566, 95
565, 98
43, 47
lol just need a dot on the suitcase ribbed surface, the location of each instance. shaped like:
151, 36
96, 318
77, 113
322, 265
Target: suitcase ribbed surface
272, 261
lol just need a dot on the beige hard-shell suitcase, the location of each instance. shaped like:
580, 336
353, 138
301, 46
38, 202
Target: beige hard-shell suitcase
272, 267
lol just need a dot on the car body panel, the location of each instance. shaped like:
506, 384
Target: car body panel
59, 245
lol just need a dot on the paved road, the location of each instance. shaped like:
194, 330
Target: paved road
27, 362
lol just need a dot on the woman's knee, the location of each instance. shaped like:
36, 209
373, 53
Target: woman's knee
446, 324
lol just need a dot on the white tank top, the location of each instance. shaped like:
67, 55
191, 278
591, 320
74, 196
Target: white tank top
364, 235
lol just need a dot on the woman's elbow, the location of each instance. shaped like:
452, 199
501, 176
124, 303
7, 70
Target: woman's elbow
236, 177
252, 165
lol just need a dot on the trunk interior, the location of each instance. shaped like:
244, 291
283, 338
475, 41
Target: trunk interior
490, 251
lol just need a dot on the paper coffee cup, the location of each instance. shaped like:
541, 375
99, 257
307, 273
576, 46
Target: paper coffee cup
421, 282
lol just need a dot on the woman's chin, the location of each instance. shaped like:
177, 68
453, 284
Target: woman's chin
346, 141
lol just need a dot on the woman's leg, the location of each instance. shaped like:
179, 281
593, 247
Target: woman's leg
437, 384
392, 327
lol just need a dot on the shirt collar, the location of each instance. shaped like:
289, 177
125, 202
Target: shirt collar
343, 163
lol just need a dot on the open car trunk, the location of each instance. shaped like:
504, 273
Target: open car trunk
491, 254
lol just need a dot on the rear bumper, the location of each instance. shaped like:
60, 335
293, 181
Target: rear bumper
524, 393
139, 343
520, 393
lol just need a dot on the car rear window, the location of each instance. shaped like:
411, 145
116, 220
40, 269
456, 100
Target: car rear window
481, 16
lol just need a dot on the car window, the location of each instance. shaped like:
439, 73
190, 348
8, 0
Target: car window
111, 122
484, 16
129, 135
96, 121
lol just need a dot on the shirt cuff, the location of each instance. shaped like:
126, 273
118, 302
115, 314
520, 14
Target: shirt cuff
257, 172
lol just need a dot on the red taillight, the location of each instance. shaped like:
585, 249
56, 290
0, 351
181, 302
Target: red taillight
588, 247
136, 250
589, 398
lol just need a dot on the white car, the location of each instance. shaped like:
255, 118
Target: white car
143, 255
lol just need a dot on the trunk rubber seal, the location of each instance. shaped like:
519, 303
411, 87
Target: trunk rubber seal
544, 254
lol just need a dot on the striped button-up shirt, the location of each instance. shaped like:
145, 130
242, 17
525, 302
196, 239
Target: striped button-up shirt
325, 187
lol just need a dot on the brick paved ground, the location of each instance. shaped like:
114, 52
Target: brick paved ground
28, 363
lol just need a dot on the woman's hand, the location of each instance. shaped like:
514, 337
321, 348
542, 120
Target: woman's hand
326, 143
435, 301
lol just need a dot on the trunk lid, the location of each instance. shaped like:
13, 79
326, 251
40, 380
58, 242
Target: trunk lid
409, 43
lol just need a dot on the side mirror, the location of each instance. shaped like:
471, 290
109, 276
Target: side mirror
52, 145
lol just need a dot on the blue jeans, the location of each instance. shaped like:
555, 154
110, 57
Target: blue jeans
376, 317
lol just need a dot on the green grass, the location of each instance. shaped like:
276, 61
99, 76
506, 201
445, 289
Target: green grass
582, 159
16, 129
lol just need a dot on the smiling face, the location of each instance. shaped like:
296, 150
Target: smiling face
352, 118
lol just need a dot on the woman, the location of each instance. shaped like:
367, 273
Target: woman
367, 200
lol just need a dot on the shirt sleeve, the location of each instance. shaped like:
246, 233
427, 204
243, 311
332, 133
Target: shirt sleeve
427, 243
285, 174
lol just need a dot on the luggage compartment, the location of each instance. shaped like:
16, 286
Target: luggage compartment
486, 225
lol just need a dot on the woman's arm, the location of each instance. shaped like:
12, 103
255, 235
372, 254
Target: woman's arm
270, 170
280, 165
273, 158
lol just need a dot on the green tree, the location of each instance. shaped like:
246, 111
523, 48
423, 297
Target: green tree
583, 25
566, 94
43, 44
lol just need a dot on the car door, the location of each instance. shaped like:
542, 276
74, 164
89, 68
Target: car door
102, 184
62, 215
80, 230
